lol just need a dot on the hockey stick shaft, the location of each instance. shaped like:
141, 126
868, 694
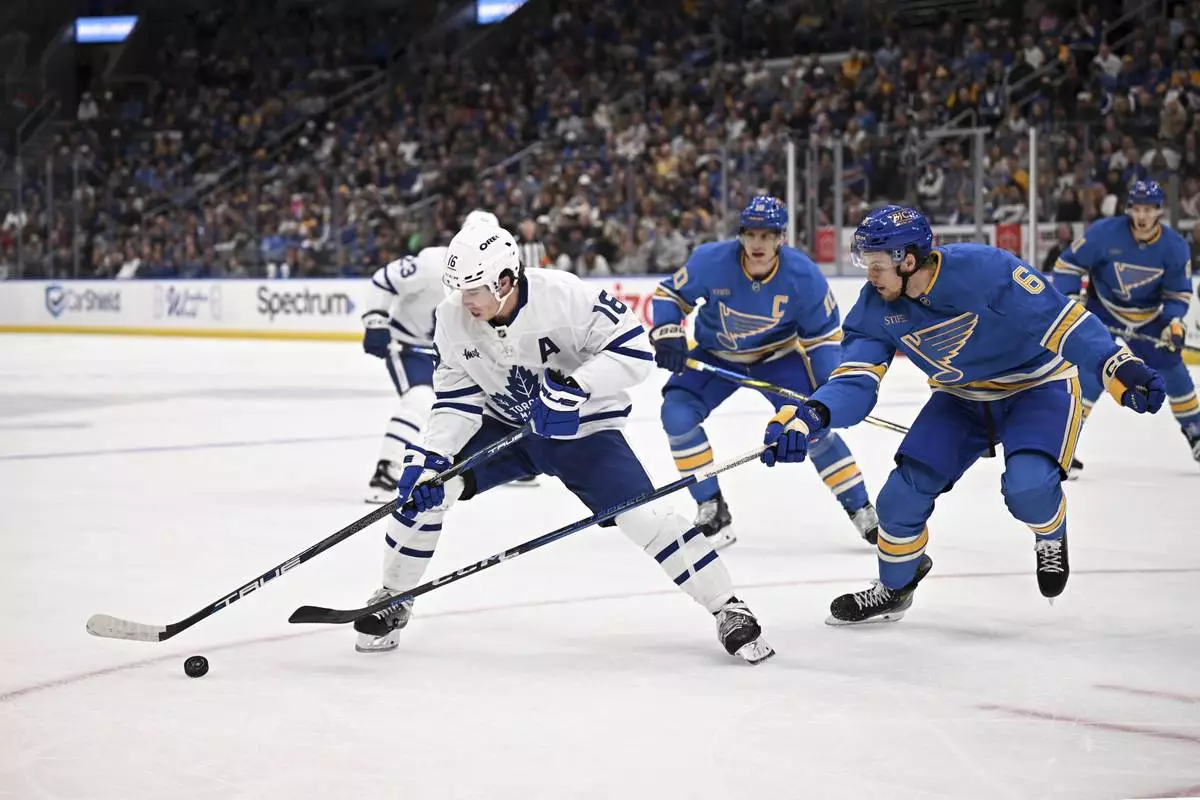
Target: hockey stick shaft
754, 383
414, 349
306, 614
1141, 337
110, 627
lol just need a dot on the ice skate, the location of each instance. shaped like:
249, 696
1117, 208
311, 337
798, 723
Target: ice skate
1077, 467
878, 603
714, 521
1052, 567
1194, 443
382, 487
380, 632
740, 634
867, 523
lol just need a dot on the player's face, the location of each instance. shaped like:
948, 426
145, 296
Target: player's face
760, 246
1144, 217
481, 303
882, 274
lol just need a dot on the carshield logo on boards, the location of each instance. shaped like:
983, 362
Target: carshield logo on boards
62, 300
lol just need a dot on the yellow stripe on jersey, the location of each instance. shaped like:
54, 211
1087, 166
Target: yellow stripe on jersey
663, 293
854, 368
1067, 268
1074, 424
818, 341
1071, 315
694, 462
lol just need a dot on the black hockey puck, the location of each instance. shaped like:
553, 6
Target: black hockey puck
196, 666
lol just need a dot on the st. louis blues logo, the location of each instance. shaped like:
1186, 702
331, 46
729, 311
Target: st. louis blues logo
940, 344
738, 325
1133, 276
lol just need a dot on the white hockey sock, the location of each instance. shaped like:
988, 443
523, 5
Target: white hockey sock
406, 423
682, 551
408, 548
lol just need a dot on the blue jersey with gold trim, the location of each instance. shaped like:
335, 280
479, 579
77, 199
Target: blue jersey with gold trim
1134, 281
987, 327
746, 320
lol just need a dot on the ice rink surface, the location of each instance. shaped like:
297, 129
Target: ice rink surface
146, 477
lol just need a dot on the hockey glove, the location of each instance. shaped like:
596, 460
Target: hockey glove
555, 411
414, 483
790, 431
377, 338
1132, 383
670, 347
1174, 335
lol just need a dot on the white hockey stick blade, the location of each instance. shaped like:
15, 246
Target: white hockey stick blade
113, 628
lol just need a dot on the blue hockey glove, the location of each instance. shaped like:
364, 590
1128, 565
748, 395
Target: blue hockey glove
1132, 383
1174, 335
789, 432
555, 410
670, 347
377, 338
419, 468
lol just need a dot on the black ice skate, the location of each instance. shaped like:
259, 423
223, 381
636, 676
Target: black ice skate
380, 632
1052, 566
1075, 468
867, 523
714, 521
1194, 443
740, 634
382, 487
879, 603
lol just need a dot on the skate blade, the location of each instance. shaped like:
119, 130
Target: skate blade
384, 648
721, 539
755, 652
894, 616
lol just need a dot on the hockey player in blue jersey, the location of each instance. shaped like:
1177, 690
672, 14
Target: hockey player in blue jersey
1002, 350
1139, 279
768, 313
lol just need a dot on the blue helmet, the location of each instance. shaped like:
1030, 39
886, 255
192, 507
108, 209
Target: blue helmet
764, 212
892, 230
1145, 193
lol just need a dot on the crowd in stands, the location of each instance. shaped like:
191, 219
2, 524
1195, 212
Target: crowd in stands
617, 135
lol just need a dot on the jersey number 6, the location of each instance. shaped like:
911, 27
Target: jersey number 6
1028, 281
610, 306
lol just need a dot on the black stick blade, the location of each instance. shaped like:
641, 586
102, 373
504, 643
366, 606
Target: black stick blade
319, 614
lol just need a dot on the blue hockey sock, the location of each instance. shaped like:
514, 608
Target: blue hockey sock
838, 469
904, 504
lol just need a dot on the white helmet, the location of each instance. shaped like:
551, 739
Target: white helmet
479, 256
481, 217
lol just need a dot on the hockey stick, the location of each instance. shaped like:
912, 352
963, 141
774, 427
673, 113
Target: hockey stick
1141, 337
110, 627
341, 616
414, 349
754, 383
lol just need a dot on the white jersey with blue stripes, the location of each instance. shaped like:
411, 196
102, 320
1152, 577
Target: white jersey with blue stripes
561, 323
407, 291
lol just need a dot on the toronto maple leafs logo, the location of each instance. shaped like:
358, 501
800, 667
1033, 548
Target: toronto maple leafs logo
522, 387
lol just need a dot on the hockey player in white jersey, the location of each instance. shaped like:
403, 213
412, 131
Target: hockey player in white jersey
542, 348
399, 314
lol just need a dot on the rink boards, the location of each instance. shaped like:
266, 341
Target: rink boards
328, 309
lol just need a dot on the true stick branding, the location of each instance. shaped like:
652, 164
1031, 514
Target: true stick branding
274, 302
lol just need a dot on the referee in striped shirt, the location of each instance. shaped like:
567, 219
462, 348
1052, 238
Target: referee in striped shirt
530, 248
